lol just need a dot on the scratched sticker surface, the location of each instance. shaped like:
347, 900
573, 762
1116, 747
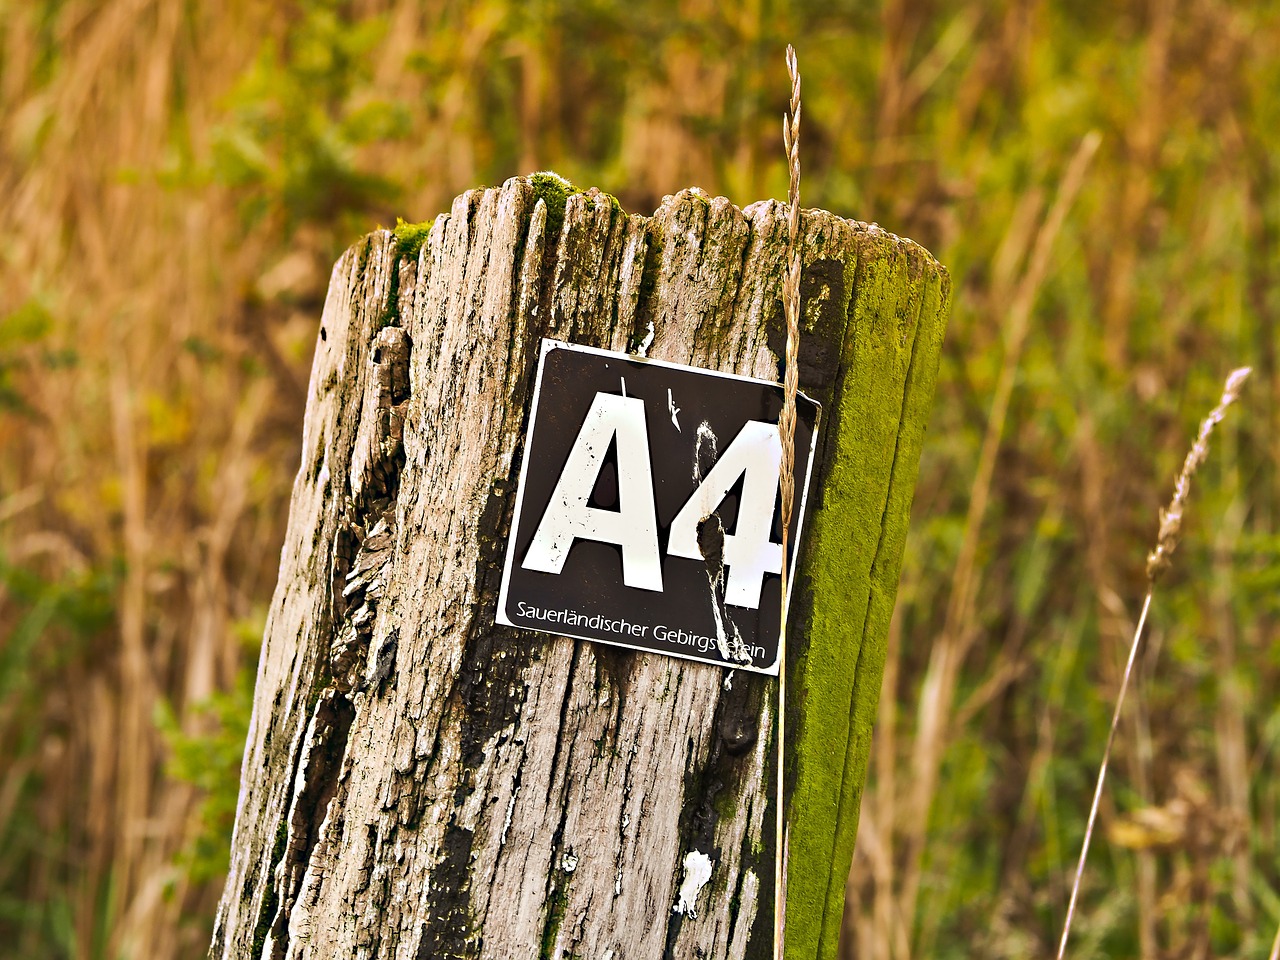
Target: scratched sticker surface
649, 511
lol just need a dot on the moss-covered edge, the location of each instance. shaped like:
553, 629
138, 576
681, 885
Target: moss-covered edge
548, 186
555, 191
889, 365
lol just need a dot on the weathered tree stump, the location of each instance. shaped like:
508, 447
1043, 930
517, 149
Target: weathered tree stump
419, 782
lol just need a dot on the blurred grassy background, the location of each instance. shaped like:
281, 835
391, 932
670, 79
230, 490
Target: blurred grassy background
1103, 180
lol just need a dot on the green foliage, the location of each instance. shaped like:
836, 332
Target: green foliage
297, 118
41, 610
207, 754
49, 622
20, 333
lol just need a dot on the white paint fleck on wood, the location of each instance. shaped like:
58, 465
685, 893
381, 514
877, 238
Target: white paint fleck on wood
697, 874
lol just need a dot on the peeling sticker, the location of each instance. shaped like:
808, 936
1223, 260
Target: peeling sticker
671, 405
697, 872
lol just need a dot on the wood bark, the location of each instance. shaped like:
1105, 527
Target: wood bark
419, 782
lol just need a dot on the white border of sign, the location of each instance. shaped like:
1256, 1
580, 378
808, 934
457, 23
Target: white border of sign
548, 345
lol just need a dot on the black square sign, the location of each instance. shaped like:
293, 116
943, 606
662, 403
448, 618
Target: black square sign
649, 509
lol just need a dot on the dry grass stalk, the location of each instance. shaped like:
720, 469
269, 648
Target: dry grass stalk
958, 633
131, 452
1157, 563
787, 429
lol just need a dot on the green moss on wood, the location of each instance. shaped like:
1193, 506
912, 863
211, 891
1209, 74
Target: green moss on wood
725, 805
271, 900
411, 236
889, 365
556, 903
555, 191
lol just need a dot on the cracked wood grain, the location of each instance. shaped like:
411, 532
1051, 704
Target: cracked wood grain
421, 783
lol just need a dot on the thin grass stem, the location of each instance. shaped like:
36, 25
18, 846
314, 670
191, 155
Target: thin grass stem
786, 432
1102, 772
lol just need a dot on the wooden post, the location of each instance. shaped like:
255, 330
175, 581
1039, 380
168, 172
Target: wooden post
420, 783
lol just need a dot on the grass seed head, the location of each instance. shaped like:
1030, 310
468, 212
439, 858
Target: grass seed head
1171, 516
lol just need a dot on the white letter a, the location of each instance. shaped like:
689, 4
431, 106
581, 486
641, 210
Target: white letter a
634, 525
